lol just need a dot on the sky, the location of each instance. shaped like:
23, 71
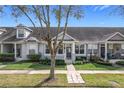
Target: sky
94, 16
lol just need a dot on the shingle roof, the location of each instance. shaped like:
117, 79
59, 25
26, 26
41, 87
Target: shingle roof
10, 31
79, 33
83, 33
12, 39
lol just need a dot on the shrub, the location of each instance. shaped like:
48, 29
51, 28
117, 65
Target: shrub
78, 62
34, 57
104, 63
48, 62
81, 62
7, 57
45, 61
60, 62
94, 58
80, 58
120, 63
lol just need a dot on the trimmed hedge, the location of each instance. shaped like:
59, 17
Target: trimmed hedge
120, 63
34, 57
81, 62
80, 58
104, 63
7, 57
48, 62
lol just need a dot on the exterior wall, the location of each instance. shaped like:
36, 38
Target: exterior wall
26, 47
93, 51
40, 48
24, 51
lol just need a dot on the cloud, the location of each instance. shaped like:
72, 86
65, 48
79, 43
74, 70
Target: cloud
96, 8
104, 7
101, 8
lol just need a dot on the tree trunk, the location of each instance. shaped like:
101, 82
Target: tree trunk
52, 69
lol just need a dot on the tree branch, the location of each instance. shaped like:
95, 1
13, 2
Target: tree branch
58, 29
26, 15
65, 27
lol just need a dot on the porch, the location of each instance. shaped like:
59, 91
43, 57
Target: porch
11, 48
112, 50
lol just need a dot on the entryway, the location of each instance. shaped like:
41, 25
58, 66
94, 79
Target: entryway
68, 52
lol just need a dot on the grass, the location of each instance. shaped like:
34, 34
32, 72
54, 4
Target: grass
33, 81
30, 66
105, 80
95, 66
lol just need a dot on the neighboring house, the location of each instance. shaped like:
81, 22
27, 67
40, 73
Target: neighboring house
105, 42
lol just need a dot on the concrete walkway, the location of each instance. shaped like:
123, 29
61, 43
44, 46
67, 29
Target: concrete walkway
31, 71
73, 76
62, 71
101, 71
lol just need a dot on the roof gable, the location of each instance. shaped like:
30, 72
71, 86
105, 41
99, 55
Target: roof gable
116, 37
32, 39
66, 37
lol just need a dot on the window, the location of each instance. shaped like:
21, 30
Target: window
60, 50
122, 46
79, 49
76, 49
110, 46
31, 51
21, 33
92, 46
47, 50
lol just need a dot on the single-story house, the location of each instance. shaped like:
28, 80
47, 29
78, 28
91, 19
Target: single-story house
105, 42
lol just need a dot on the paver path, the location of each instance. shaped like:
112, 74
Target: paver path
72, 75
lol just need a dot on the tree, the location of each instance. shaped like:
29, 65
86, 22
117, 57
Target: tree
42, 14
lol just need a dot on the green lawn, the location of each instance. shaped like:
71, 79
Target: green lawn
95, 66
33, 81
30, 66
105, 80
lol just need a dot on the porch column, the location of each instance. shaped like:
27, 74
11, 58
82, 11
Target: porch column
99, 50
1, 48
15, 50
105, 51
86, 47
73, 51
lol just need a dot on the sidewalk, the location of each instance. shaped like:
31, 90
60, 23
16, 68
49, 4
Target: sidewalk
31, 72
101, 71
61, 71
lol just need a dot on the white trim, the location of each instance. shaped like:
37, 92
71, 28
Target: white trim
65, 34
114, 35
15, 50
32, 38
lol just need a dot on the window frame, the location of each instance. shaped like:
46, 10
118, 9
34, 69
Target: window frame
79, 48
22, 33
92, 46
47, 49
62, 50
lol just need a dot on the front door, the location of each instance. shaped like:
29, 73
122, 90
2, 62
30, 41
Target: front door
102, 50
68, 51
